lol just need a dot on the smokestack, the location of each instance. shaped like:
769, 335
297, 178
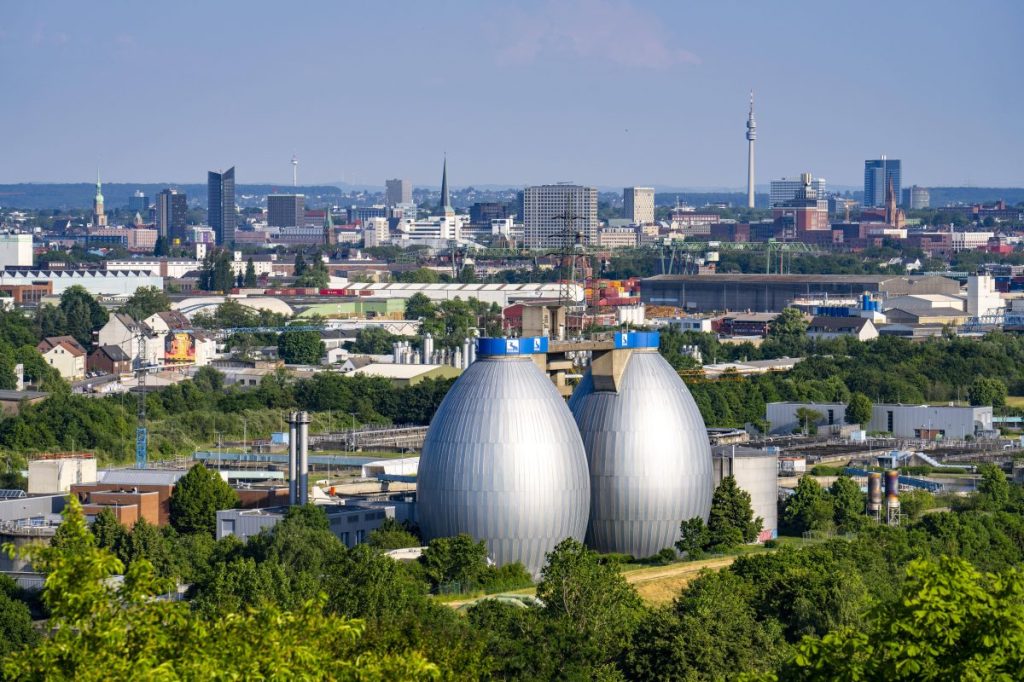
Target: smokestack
472, 352
303, 429
292, 461
874, 493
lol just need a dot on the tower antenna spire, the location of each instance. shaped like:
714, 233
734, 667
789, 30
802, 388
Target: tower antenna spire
751, 136
295, 171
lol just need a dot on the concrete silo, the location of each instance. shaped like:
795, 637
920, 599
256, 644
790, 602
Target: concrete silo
503, 460
647, 448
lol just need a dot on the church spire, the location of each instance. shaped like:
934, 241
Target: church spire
330, 236
446, 202
99, 216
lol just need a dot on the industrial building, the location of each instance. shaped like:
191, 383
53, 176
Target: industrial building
773, 293
930, 422
756, 472
351, 523
648, 451
503, 459
96, 282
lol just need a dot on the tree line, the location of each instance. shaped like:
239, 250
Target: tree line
937, 598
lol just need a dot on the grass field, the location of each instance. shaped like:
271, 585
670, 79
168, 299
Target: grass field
1015, 401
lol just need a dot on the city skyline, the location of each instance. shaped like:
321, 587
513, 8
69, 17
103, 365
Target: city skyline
947, 113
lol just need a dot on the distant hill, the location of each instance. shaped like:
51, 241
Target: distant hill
943, 196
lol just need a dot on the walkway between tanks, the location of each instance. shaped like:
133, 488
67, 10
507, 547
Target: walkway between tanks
655, 585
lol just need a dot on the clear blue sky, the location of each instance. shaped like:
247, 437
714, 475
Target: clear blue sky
605, 92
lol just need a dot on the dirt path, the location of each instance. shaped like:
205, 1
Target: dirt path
662, 584
655, 585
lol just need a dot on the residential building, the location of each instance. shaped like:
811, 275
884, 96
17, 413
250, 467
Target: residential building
878, 173
397, 191
786, 189
110, 360
375, 232
171, 214
127, 334
286, 210
65, 355
638, 205
222, 216
554, 213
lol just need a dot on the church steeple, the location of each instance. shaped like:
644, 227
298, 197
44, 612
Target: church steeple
99, 216
330, 236
446, 202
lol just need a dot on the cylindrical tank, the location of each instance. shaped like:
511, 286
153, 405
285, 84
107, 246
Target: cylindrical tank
892, 488
874, 492
503, 461
648, 455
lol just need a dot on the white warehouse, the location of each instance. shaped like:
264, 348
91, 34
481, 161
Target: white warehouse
930, 422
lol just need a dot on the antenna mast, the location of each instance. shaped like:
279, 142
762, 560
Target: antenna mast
295, 171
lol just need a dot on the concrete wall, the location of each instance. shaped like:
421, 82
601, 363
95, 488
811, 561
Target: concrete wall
58, 475
756, 472
782, 416
908, 421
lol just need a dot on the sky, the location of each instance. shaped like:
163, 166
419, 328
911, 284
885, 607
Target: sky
601, 92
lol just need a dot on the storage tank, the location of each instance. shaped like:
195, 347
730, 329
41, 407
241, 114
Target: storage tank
874, 493
648, 455
892, 488
503, 460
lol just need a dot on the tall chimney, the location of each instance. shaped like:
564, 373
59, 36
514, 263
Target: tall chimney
303, 428
293, 483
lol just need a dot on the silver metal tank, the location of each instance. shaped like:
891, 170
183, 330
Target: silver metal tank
503, 460
649, 457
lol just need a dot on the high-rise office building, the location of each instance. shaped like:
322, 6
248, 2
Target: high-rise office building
286, 210
786, 189
916, 198
171, 214
483, 212
138, 201
397, 191
877, 174
220, 188
638, 205
550, 210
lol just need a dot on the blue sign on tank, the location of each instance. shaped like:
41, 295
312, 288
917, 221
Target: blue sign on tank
637, 339
528, 345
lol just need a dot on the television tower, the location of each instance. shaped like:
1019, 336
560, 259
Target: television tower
751, 136
295, 171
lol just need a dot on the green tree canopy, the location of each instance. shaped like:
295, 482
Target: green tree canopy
249, 280
731, 521
987, 391
145, 302
858, 410
993, 489
950, 622
460, 560
196, 498
300, 348
102, 630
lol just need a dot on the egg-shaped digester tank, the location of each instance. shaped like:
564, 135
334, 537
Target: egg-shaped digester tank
503, 460
648, 454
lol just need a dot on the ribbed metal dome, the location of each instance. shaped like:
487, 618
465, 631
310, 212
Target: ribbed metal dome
503, 462
649, 457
